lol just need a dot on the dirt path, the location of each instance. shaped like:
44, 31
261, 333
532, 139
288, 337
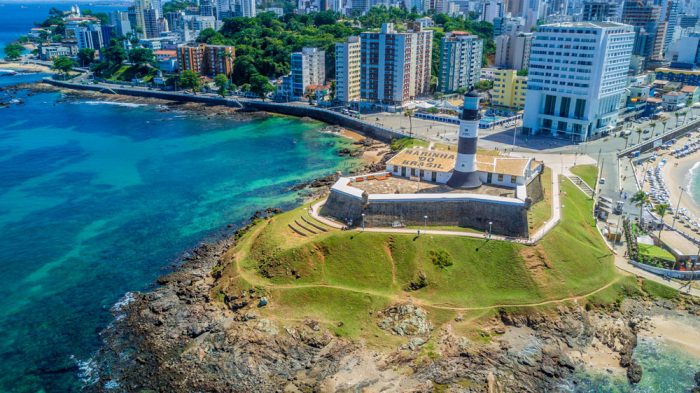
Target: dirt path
389, 254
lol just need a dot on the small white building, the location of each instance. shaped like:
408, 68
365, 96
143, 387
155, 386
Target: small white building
436, 166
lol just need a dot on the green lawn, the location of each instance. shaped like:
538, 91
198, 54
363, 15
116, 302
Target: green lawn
656, 252
657, 290
589, 174
345, 276
405, 143
542, 210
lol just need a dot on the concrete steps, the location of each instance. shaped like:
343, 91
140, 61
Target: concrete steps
581, 185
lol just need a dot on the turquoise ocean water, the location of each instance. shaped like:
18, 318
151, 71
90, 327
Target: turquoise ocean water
99, 199
694, 183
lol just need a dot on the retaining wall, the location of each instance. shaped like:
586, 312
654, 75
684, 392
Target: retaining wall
695, 275
648, 145
535, 191
370, 130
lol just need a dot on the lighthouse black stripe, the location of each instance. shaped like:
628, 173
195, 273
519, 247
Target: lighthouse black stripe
467, 145
470, 114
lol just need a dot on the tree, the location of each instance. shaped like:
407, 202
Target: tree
141, 56
522, 72
664, 122
115, 53
653, 127
409, 113
63, 64
221, 81
641, 199
661, 210
190, 80
86, 56
261, 86
13, 51
639, 132
483, 85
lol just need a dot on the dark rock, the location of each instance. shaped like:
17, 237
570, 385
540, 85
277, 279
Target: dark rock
634, 372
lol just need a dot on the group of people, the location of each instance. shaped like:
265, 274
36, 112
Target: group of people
689, 148
659, 195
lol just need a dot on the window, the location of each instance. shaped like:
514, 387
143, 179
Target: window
500, 177
396, 169
413, 171
513, 179
549, 103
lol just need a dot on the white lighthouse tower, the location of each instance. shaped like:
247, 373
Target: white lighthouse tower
465, 174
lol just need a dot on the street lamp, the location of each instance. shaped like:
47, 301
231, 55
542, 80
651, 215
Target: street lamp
675, 215
490, 225
425, 222
363, 222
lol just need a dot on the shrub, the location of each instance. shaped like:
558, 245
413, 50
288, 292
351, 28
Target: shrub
441, 258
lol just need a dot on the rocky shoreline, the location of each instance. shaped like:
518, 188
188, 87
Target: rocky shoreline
177, 339
210, 111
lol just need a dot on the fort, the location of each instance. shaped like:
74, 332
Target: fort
423, 187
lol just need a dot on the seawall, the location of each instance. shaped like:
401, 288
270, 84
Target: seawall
299, 110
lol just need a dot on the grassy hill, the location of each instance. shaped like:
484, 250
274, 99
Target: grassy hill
340, 278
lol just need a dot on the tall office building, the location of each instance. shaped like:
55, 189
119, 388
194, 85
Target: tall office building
669, 11
513, 50
395, 66
206, 60
121, 23
308, 68
649, 28
86, 36
460, 61
347, 70
599, 11
151, 26
577, 76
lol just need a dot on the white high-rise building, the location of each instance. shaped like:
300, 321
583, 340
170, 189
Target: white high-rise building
247, 8
513, 50
347, 70
460, 61
308, 68
395, 65
577, 75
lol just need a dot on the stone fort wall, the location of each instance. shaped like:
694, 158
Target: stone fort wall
508, 219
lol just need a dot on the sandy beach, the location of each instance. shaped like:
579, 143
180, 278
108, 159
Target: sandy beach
677, 176
27, 67
675, 332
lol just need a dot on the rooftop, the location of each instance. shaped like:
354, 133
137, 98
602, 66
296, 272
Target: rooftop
397, 185
444, 161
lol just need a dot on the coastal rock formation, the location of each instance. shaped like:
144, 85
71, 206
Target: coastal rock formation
177, 339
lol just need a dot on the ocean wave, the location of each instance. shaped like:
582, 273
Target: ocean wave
124, 104
693, 186
120, 304
87, 370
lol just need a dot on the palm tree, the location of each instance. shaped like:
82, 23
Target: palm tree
664, 122
409, 113
639, 132
677, 116
641, 199
661, 210
653, 127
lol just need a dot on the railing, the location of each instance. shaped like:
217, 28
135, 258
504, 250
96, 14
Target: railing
649, 144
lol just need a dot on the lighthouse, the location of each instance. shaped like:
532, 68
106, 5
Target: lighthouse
465, 174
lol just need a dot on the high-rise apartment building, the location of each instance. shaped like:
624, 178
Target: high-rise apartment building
206, 60
577, 76
599, 11
513, 50
460, 61
247, 8
308, 68
347, 70
509, 89
395, 66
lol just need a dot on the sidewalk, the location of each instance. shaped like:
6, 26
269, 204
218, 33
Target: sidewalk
622, 264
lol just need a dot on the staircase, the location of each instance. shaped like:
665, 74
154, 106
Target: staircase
581, 185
